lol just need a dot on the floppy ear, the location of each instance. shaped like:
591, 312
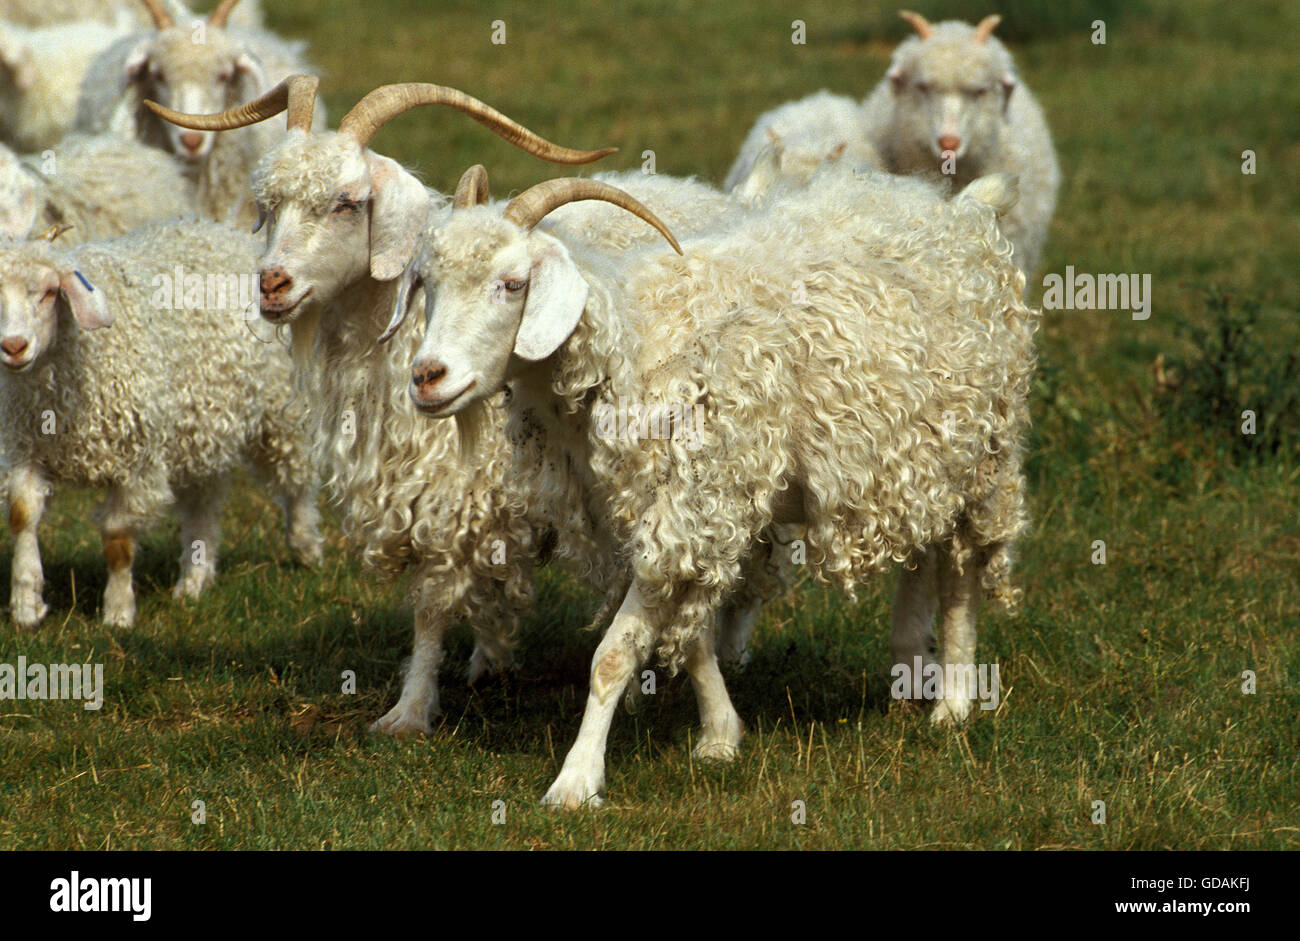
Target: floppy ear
399, 207
250, 78
16, 57
87, 303
1008, 82
137, 63
557, 296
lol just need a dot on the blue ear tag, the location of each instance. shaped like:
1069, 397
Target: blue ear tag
84, 283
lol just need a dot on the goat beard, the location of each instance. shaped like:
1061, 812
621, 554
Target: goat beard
471, 426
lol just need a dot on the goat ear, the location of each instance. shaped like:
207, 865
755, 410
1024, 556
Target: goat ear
399, 207
137, 63
557, 296
406, 293
88, 304
897, 79
16, 57
250, 77
1008, 82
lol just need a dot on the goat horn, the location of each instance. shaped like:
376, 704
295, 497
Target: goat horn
532, 205
222, 13
55, 231
388, 101
161, 18
472, 190
919, 23
985, 29
296, 94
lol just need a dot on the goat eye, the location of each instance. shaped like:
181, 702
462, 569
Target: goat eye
923, 87
346, 204
514, 287
977, 92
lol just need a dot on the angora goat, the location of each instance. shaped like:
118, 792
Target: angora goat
168, 65
855, 356
952, 96
118, 374
343, 223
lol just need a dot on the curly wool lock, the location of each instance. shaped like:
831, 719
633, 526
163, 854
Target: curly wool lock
158, 407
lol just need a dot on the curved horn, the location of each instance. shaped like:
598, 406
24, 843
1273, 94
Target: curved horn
54, 231
388, 101
296, 94
919, 23
985, 29
531, 206
472, 190
222, 13
161, 18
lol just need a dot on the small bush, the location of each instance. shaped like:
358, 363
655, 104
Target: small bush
1232, 370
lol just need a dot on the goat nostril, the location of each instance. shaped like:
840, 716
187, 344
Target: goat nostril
427, 375
192, 141
275, 281
949, 142
14, 346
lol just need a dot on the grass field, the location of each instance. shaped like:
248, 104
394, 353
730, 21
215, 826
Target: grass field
1121, 682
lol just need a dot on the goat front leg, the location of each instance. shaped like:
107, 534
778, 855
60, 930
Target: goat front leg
28, 492
959, 594
720, 725
624, 647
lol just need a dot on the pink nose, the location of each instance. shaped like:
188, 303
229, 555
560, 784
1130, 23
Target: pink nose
192, 141
425, 377
274, 282
949, 142
13, 346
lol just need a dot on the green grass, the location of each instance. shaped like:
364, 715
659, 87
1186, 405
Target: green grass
1122, 682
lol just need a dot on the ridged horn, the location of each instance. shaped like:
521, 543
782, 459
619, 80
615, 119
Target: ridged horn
161, 18
533, 204
388, 101
918, 23
986, 26
222, 13
472, 190
296, 94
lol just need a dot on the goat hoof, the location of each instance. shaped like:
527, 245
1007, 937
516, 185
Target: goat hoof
399, 722
573, 792
27, 614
